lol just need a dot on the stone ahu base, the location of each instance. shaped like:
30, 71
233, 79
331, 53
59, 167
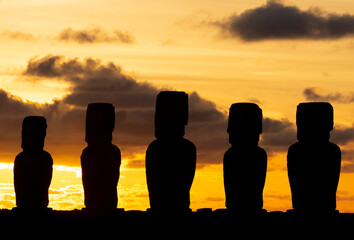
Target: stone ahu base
200, 224
120, 213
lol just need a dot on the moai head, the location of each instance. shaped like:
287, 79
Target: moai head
314, 121
100, 119
171, 114
245, 124
33, 133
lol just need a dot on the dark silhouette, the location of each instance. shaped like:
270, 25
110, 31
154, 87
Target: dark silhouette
100, 160
33, 166
314, 162
245, 163
170, 159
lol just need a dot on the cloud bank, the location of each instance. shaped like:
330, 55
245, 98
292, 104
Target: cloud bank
92, 80
95, 81
312, 94
275, 20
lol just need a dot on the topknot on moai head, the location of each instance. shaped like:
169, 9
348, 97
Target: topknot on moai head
171, 108
100, 120
171, 114
245, 121
245, 117
34, 130
314, 120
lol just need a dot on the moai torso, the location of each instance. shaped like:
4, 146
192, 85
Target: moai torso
170, 168
314, 162
100, 175
244, 177
33, 167
100, 160
170, 159
245, 163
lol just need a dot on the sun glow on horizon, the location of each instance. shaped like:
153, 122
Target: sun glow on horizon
138, 47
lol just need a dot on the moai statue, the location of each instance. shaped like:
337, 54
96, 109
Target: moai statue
33, 166
100, 160
170, 159
314, 162
245, 163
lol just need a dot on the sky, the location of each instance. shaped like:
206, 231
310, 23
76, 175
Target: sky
58, 56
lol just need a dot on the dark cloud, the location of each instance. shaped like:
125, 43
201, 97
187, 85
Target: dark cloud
94, 81
342, 135
207, 129
12, 107
45, 67
278, 135
274, 20
12, 111
312, 94
95, 35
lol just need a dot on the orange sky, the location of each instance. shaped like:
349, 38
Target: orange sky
176, 45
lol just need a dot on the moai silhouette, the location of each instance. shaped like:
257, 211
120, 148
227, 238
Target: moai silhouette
170, 159
100, 160
314, 162
245, 163
33, 167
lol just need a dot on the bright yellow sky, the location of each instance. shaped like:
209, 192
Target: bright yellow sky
172, 49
